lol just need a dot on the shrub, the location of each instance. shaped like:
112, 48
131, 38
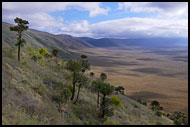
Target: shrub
24, 63
136, 106
179, 118
143, 102
30, 48
159, 113
159, 123
113, 122
120, 89
43, 51
156, 106
116, 101
35, 58
55, 52
62, 63
65, 94
59, 85
41, 89
91, 74
71, 87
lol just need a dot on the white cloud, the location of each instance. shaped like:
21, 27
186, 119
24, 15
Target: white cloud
129, 28
171, 9
134, 27
37, 13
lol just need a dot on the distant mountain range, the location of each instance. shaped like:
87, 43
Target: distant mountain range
142, 42
65, 42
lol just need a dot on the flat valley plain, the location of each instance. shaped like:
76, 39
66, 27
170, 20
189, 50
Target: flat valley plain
148, 74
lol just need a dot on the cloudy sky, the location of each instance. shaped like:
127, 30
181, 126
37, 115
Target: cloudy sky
107, 19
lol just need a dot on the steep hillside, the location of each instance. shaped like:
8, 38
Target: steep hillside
103, 42
30, 92
43, 39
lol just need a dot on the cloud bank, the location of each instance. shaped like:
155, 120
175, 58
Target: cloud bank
170, 19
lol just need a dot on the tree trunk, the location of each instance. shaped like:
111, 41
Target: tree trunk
103, 103
19, 52
77, 94
73, 94
98, 99
19, 43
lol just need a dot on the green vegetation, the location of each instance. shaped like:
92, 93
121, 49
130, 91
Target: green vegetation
42, 91
91, 74
156, 106
178, 117
116, 101
83, 80
96, 87
159, 113
55, 52
65, 95
120, 89
106, 89
74, 67
103, 76
19, 28
142, 102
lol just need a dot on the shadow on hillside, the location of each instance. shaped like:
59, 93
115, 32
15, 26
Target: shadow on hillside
146, 95
157, 71
147, 59
105, 61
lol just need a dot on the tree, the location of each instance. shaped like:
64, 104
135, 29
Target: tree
96, 86
21, 26
82, 80
74, 67
103, 76
83, 56
91, 74
105, 89
106, 108
85, 64
156, 106
120, 89
55, 52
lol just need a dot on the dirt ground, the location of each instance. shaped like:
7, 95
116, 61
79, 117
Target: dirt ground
160, 75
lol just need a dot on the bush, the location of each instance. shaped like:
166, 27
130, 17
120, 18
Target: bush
142, 102
116, 101
41, 89
159, 113
113, 122
179, 118
43, 51
62, 63
59, 85
159, 123
71, 87
65, 94
30, 48
24, 63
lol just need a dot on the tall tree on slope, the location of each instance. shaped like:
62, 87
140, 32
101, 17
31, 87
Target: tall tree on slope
21, 26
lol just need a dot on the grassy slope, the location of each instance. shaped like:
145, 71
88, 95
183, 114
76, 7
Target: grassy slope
39, 39
29, 92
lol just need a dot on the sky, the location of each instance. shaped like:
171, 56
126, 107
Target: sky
102, 19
